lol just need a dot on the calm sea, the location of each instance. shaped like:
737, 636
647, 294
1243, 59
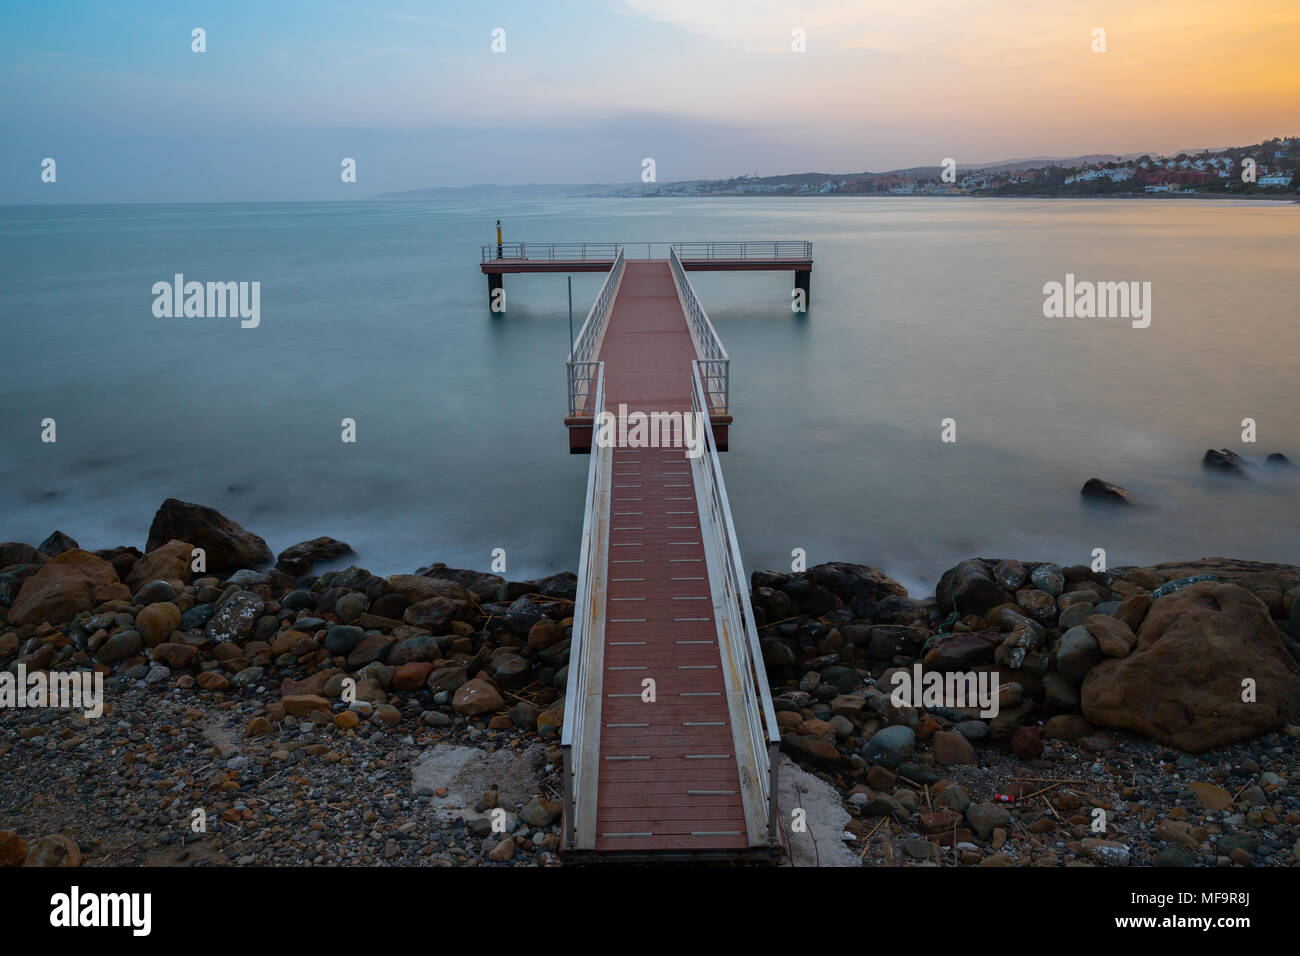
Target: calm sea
922, 310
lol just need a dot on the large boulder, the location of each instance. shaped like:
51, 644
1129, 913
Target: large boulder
1183, 682
228, 546
846, 581
970, 587
299, 559
64, 586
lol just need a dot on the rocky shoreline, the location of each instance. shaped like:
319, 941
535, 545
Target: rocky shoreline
344, 718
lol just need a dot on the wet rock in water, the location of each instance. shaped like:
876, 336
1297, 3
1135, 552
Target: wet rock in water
970, 588
1226, 462
228, 547
299, 559
56, 544
1277, 458
1182, 683
64, 586
1099, 490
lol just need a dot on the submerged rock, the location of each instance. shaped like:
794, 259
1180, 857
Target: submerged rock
1100, 490
1225, 461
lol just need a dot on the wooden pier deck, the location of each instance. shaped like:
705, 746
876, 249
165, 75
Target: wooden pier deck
669, 733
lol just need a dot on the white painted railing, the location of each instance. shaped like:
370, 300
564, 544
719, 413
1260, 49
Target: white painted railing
714, 363
738, 623
587, 608
582, 367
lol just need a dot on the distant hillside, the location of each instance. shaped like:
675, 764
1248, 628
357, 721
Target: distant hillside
1028, 176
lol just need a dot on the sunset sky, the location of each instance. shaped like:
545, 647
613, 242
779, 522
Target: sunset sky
584, 91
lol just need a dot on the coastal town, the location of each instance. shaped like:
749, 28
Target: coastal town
1265, 169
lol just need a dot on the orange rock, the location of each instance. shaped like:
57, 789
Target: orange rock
412, 675
476, 697
56, 849
212, 680
13, 848
63, 587
170, 562
298, 704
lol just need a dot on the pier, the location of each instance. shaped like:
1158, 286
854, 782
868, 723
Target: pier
670, 738
703, 256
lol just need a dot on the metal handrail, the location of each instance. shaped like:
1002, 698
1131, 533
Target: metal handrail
764, 735
766, 249
554, 251
581, 365
716, 364
762, 250
581, 641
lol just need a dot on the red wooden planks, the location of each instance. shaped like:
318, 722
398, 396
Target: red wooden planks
668, 778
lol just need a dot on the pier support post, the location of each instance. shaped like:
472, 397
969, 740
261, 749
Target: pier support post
803, 280
496, 280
